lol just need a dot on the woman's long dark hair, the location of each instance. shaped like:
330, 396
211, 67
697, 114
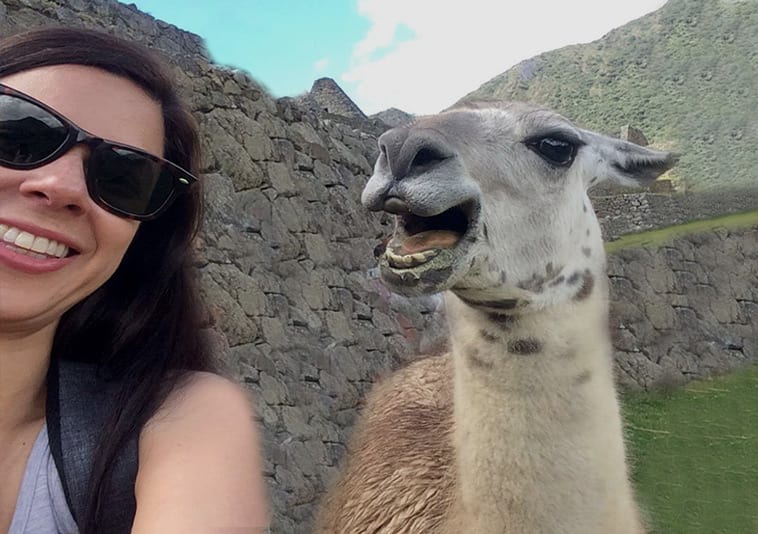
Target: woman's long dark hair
142, 326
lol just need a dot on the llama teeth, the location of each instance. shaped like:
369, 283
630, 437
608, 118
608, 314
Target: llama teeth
409, 260
398, 261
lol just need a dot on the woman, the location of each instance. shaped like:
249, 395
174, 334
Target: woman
98, 208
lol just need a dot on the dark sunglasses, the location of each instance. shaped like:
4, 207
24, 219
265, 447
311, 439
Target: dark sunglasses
122, 179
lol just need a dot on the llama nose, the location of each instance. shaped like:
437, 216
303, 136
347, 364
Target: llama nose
396, 206
407, 151
391, 147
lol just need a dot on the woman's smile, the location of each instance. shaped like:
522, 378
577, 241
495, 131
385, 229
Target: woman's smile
34, 250
35, 246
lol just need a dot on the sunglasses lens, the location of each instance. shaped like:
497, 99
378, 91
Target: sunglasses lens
129, 181
28, 133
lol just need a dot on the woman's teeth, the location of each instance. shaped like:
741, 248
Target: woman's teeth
30, 244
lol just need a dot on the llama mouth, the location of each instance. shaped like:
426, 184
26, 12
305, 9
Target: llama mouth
418, 240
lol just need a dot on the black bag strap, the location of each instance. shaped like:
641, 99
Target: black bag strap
79, 402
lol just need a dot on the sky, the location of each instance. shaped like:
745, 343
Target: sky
416, 55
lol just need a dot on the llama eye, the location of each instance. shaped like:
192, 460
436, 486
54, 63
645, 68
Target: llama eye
553, 150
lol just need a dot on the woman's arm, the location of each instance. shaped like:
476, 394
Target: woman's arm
199, 463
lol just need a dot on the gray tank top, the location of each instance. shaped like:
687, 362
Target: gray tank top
41, 506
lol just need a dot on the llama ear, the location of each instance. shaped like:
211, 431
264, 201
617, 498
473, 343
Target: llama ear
630, 164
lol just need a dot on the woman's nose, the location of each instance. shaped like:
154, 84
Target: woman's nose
60, 185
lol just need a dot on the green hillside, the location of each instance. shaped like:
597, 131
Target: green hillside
686, 75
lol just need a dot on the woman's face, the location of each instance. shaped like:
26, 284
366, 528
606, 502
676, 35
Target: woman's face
52, 202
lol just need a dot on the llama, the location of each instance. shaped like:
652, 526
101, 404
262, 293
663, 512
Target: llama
517, 430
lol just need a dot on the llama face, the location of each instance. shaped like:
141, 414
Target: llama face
490, 202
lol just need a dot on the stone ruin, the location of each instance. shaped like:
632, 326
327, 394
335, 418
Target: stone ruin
633, 135
331, 99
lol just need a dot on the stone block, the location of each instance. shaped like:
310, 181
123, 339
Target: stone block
325, 174
284, 151
274, 333
317, 249
344, 301
319, 153
252, 300
274, 127
384, 323
317, 296
659, 276
347, 362
303, 162
725, 310
660, 314
286, 212
280, 178
303, 135
338, 326
296, 422
273, 390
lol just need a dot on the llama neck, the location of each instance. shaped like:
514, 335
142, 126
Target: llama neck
537, 427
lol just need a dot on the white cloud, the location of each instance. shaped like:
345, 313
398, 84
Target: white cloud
456, 45
321, 65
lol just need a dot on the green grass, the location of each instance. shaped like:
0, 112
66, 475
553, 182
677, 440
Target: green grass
664, 235
695, 455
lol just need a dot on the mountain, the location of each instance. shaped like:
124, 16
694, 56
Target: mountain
686, 75
393, 117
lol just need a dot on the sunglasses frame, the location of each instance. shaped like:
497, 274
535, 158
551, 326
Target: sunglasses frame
75, 135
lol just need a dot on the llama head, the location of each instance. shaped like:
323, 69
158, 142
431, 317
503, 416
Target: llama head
491, 202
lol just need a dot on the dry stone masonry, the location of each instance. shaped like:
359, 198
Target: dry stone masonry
330, 98
628, 211
685, 309
294, 307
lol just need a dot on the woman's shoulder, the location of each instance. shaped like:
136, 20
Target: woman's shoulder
202, 402
199, 460
200, 394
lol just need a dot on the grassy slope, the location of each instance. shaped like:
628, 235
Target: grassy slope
664, 235
695, 455
685, 75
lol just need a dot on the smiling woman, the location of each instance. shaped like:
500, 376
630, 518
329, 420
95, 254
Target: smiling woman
99, 330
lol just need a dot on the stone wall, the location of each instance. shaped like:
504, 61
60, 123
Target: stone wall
686, 309
287, 270
630, 212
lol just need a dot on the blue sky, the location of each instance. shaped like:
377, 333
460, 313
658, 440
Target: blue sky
275, 40
417, 55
